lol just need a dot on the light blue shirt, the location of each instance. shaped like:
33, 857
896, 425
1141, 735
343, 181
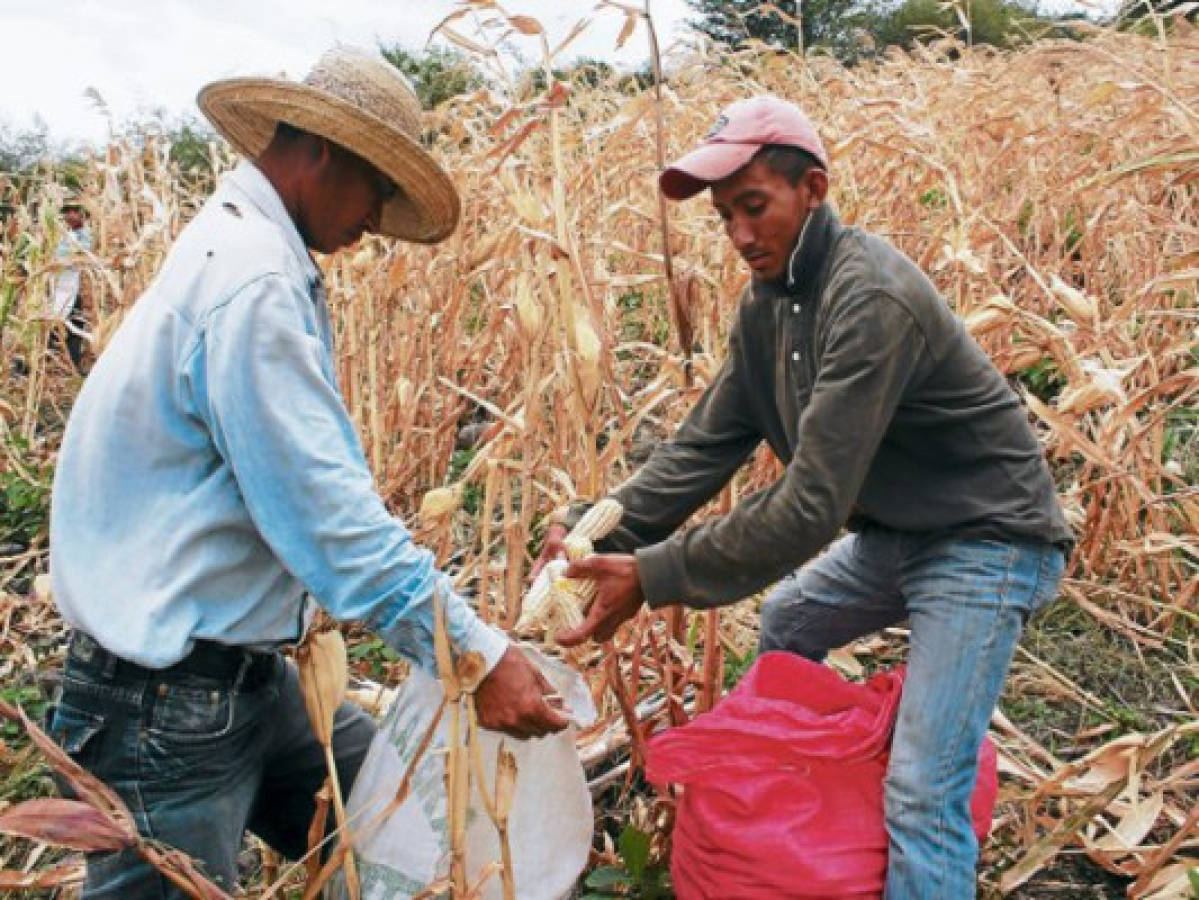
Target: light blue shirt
210, 474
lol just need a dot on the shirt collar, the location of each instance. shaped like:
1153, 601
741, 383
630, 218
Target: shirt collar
802, 279
247, 179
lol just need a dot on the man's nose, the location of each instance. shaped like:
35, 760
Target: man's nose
740, 233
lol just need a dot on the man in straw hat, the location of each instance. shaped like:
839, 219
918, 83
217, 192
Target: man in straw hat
888, 418
211, 487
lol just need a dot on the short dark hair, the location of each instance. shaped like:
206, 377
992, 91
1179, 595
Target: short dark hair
288, 133
787, 161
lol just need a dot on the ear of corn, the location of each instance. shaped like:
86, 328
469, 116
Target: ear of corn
324, 671
323, 674
555, 602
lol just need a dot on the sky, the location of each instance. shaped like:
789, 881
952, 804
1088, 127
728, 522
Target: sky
141, 55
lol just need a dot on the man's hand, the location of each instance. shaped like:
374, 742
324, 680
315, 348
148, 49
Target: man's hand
552, 549
516, 699
618, 596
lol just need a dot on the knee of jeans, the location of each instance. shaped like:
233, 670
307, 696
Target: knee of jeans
782, 628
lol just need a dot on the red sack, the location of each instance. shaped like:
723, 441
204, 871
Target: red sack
783, 785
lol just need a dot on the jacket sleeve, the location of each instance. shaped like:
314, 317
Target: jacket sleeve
689, 469
281, 425
872, 349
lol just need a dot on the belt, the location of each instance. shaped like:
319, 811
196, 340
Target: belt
208, 659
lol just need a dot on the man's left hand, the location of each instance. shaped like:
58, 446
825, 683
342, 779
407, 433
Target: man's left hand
618, 596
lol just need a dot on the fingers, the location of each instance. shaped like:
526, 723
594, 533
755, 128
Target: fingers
572, 637
594, 566
551, 549
547, 556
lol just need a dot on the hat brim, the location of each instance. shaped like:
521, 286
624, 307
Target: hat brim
245, 111
703, 166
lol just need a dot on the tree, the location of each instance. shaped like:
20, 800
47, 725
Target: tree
840, 25
1000, 23
825, 22
21, 150
1136, 10
436, 74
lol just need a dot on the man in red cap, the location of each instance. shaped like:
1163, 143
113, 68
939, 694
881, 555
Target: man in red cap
890, 421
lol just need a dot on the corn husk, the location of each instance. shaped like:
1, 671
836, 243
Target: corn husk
324, 672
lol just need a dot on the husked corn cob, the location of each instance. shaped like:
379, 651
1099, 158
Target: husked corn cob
598, 521
555, 602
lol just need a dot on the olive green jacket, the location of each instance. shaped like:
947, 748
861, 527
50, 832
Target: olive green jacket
882, 408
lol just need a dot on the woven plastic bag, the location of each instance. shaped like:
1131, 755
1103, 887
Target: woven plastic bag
783, 785
550, 824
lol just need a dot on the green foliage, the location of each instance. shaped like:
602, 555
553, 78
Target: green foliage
24, 497
1193, 878
934, 198
1043, 379
825, 22
472, 494
848, 27
1181, 442
375, 655
736, 666
190, 142
22, 150
1142, 10
638, 876
437, 74
1000, 23
584, 74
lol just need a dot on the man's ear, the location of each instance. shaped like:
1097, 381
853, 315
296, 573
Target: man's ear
319, 150
817, 186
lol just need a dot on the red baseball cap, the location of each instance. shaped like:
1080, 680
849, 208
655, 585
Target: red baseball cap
741, 130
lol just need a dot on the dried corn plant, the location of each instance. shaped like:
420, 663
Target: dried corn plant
532, 359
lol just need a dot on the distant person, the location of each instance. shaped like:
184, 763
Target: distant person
66, 301
211, 490
890, 419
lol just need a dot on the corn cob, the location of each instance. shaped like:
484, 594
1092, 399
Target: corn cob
555, 602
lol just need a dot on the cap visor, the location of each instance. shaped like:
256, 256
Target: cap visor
702, 166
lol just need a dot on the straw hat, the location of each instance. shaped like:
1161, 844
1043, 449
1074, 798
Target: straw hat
360, 102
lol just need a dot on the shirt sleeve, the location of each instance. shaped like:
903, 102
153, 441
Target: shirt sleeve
872, 350
689, 469
279, 422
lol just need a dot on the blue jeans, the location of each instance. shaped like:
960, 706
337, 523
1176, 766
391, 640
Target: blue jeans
199, 759
966, 602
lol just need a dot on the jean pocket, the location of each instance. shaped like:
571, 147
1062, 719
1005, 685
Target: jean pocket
192, 712
73, 729
76, 731
1053, 566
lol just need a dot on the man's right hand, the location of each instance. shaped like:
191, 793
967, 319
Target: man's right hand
552, 549
513, 699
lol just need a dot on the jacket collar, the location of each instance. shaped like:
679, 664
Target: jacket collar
248, 181
802, 279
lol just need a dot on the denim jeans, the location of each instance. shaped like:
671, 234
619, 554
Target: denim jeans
966, 602
198, 760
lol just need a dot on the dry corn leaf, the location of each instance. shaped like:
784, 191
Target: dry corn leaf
505, 780
439, 503
1134, 825
324, 672
65, 823
1175, 882
66, 875
526, 25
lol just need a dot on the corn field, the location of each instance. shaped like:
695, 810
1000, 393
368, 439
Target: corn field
533, 358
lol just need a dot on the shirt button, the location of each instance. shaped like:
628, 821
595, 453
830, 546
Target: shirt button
795, 307
795, 355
